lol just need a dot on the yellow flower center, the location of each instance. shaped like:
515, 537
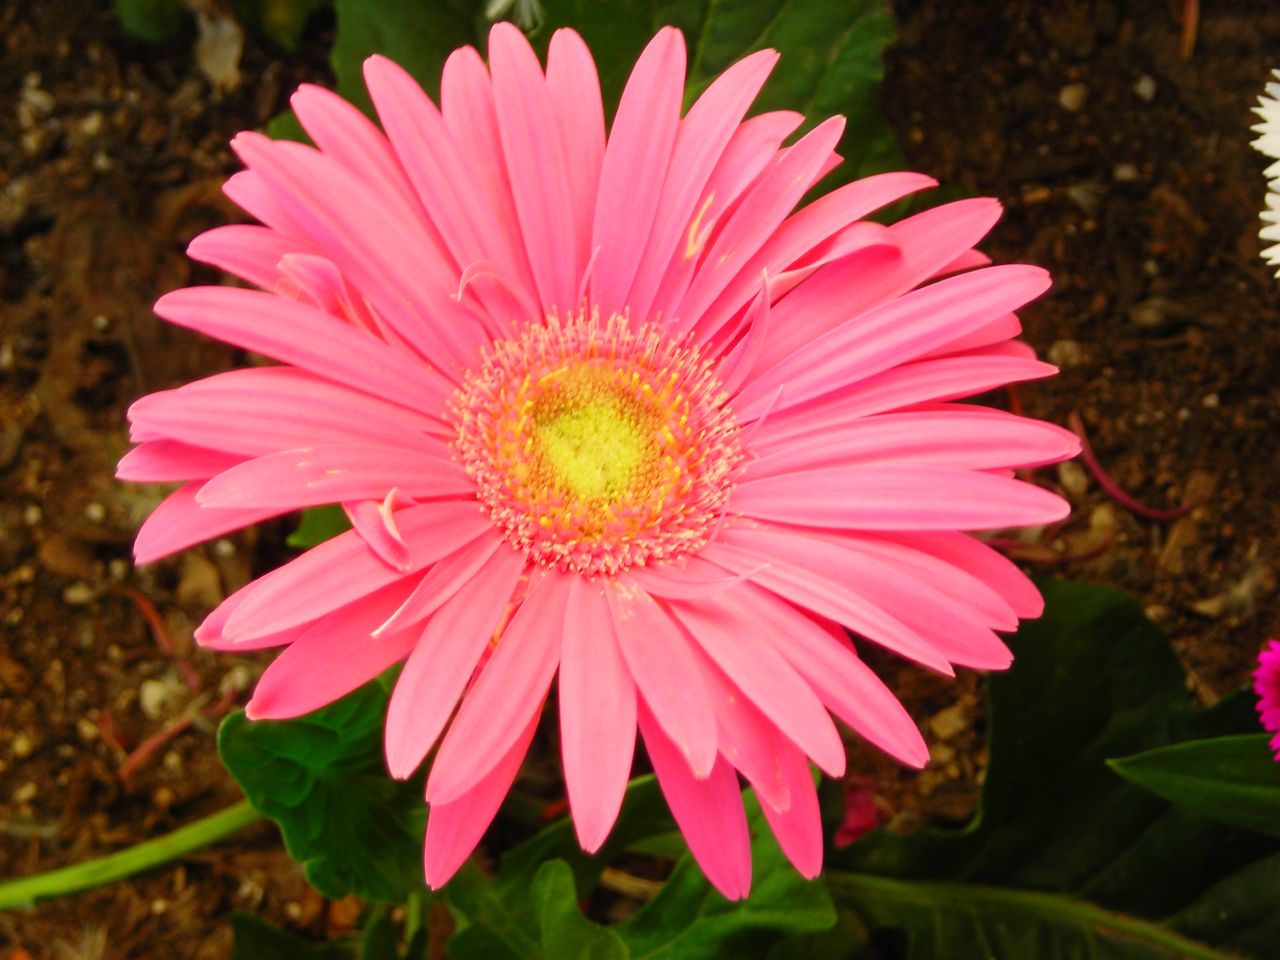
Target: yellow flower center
598, 446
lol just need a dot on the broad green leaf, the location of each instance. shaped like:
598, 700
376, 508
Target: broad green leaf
417, 35
1232, 780
1065, 858
255, 939
565, 933
318, 524
689, 918
831, 62
154, 20
323, 780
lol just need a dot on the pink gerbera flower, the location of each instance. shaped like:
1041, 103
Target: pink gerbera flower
1266, 684
603, 409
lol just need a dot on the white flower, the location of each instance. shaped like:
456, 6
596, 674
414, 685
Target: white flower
1268, 144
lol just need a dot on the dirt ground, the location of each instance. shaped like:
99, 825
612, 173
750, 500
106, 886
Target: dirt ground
1125, 169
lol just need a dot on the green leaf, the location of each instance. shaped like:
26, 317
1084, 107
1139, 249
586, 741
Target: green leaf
1232, 780
255, 939
1065, 858
416, 35
322, 779
689, 917
318, 524
832, 57
154, 20
565, 933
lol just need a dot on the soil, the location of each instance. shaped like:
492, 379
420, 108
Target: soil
1124, 167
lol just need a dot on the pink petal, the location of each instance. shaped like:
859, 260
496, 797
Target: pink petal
332, 658
798, 826
344, 133
574, 88
992, 567
375, 523
747, 738
756, 218
454, 828
907, 385
597, 713
635, 165
752, 148
882, 497
262, 410
179, 523
952, 628
829, 598
444, 579
763, 676
247, 251
708, 810
701, 141
166, 461
369, 239
306, 337
343, 569
809, 228
899, 331
331, 473
849, 688
446, 185
952, 437
444, 659
509, 690
665, 671
467, 105
535, 164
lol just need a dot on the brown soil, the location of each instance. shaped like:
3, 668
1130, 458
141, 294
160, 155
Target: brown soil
1124, 167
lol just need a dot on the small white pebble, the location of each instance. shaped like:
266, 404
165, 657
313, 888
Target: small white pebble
1065, 353
101, 322
224, 549
1073, 478
101, 162
95, 512
1072, 97
78, 595
1209, 401
87, 729
1145, 88
1124, 173
32, 515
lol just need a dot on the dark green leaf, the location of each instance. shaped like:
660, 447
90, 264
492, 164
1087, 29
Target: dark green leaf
323, 780
319, 523
565, 933
416, 35
154, 20
1066, 858
1233, 780
689, 918
831, 57
255, 939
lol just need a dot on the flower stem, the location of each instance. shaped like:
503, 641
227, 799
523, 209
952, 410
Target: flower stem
25, 891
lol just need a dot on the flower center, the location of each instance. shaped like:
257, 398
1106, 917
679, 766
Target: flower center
598, 446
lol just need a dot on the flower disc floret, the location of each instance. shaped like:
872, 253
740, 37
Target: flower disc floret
596, 446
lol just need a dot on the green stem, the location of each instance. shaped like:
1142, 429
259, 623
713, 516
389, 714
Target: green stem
865, 888
25, 891
412, 915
